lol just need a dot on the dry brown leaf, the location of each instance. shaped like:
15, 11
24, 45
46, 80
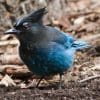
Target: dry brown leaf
7, 81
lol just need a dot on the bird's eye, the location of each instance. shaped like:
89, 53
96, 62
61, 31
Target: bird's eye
26, 25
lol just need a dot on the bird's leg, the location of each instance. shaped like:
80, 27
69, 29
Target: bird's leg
39, 81
60, 81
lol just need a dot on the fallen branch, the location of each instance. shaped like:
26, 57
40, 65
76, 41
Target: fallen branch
10, 59
74, 14
11, 42
15, 71
89, 78
91, 38
2, 67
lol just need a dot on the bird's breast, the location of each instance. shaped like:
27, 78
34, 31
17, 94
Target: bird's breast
47, 59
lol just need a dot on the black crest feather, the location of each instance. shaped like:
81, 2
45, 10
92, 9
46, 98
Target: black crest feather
36, 16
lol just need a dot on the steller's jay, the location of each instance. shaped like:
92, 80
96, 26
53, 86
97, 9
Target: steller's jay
44, 49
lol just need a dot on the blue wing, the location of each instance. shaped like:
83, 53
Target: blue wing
60, 37
65, 39
68, 41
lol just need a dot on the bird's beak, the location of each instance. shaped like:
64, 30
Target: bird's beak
12, 31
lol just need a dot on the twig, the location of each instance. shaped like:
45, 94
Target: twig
15, 70
89, 78
10, 59
91, 38
11, 42
74, 14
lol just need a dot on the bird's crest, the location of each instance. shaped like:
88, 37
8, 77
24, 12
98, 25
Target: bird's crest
34, 17
37, 15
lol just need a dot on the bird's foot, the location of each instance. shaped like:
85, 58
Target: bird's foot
31, 84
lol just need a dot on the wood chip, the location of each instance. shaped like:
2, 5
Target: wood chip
7, 81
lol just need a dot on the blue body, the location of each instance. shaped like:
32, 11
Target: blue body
52, 53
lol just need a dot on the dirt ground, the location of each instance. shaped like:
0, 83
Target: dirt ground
81, 19
72, 91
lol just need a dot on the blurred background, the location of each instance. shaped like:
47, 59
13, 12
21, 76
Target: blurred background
80, 18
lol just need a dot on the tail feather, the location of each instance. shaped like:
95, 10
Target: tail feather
78, 45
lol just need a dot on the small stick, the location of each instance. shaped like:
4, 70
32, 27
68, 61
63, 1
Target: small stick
10, 59
89, 78
6, 43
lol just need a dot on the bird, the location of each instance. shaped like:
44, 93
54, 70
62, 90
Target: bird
44, 49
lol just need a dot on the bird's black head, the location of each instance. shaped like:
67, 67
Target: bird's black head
24, 24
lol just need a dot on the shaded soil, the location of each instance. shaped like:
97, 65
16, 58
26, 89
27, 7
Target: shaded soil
72, 91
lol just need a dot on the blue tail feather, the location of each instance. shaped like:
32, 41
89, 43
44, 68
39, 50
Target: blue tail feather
78, 45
